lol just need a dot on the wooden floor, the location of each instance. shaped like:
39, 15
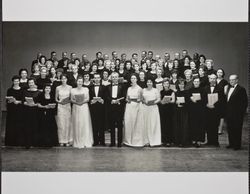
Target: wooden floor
126, 159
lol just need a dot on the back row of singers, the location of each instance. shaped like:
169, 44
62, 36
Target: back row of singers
150, 117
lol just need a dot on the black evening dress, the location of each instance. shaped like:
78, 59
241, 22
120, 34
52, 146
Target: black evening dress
47, 128
221, 86
166, 115
181, 129
14, 119
196, 116
30, 120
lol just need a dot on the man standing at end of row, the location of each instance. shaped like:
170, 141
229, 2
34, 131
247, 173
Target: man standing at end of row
237, 103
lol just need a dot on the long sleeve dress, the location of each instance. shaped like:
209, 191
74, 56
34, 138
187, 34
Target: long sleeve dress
47, 128
30, 120
151, 116
196, 116
166, 114
81, 121
181, 127
134, 133
14, 119
63, 118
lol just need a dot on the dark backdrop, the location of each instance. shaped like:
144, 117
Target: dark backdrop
225, 43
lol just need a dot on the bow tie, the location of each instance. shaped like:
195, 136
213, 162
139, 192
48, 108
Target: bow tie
231, 86
97, 85
114, 84
212, 86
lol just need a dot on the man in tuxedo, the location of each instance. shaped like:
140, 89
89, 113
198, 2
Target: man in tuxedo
116, 101
97, 110
212, 116
237, 103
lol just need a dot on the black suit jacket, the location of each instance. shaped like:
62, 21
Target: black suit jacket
120, 93
221, 98
72, 80
101, 93
237, 103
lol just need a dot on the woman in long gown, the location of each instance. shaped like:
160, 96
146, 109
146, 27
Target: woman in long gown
63, 118
47, 128
166, 108
134, 134
181, 127
196, 113
14, 113
152, 123
221, 83
81, 121
30, 119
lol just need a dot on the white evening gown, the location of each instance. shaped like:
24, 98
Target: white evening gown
63, 117
151, 116
134, 131
81, 121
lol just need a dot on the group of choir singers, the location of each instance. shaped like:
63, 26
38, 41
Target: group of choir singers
153, 101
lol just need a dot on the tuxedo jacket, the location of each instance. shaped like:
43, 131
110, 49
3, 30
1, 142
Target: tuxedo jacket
221, 98
237, 103
101, 93
120, 93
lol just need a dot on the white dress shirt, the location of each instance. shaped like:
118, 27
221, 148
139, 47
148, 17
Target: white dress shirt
96, 90
212, 89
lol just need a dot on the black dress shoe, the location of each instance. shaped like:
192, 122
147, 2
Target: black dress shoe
103, 144
228, 147
197, 145
237, 148
111, 145
95, 144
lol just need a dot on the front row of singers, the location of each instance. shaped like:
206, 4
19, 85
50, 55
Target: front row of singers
79, 116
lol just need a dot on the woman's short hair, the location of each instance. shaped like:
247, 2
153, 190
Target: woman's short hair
79, 77
203, 56
223, 72
40, 58
150, 79
63, 75
15, 77
47, 85
188, 71
174, 71
32, 79
100, 59
23, 69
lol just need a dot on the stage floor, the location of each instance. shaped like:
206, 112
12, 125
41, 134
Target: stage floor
126, 159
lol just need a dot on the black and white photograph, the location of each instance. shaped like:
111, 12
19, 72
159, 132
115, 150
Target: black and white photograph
125, 97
